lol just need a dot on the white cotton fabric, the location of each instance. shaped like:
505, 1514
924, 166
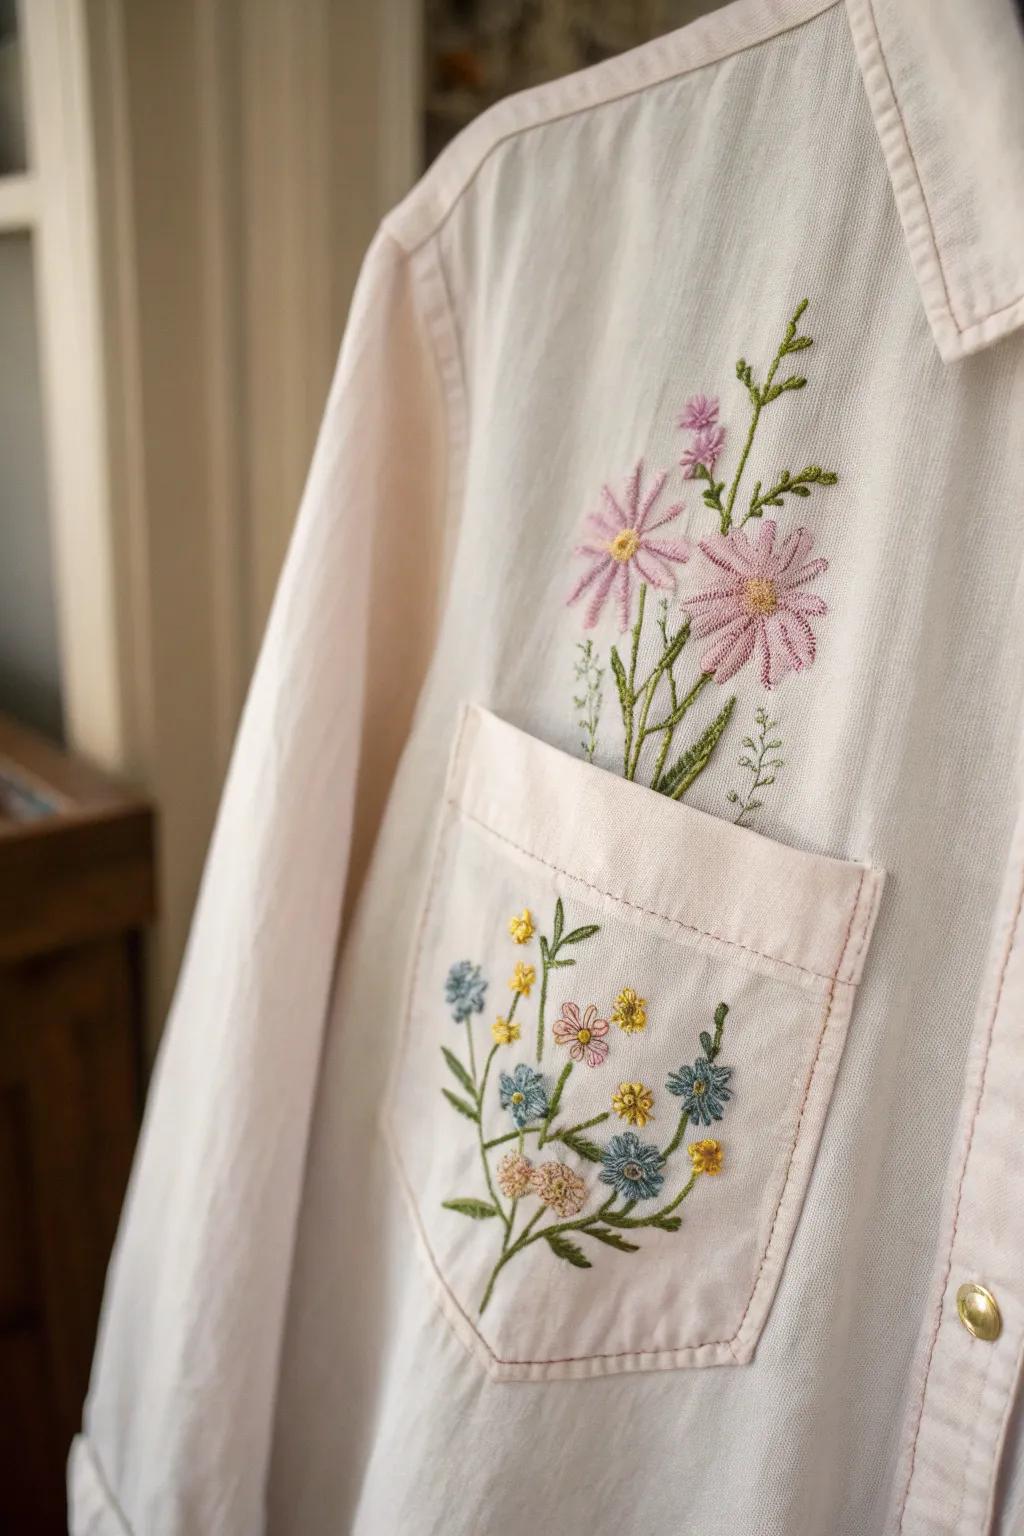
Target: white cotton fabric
280, 1347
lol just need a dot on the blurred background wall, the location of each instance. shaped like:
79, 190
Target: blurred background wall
186, 191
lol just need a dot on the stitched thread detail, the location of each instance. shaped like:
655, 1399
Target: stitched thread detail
758, 760
704, 933
940, 1304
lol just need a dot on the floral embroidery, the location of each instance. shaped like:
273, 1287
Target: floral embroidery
636, 1172
589, 676
706, 1156
633, 1103
702, 1088
464, 990
583, 1035
632, 1167
523, 1094
560, 1188
762, 766
521, 926
515, 1175
621, 546
504, 1031
523, 978
630, 1011
758, 605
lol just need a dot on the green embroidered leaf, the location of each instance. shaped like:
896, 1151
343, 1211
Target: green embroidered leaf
613, 1239
556, 1097
459, 1070
668, 1223
562, 1248
692, 763
559, 965
461, 1105
478, 1209
720, 1014
559, 924
706, 1042
619, 673
582, 1146
582, 933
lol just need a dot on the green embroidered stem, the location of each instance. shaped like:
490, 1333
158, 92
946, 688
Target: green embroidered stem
687, 768
483, 1150
472, 1057
787, 485
549, 960
588, 702
760, 763
760, 397
684, 1121
558, 1134
556, 1099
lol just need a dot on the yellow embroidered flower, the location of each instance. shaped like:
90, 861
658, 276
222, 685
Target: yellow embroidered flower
630, 1011
706, 1156
521, 927
633, 1103
515, 1175
523, 978
561, 1189
504, 1031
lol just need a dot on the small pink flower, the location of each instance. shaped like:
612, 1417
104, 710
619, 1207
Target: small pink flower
621, 543
560, 1188
705, 448
699, 412
759, 603
585, 1033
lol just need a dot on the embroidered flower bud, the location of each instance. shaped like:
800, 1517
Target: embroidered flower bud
515, 1175
504, 1031
557, 1186
706, 1156
521, 927
630, 1011
523, 978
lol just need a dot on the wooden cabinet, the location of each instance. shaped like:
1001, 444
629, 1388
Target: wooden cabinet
76, 889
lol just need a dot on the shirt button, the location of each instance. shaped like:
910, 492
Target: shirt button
979, 1312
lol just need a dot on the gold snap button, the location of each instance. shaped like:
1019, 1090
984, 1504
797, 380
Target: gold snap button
979, 1312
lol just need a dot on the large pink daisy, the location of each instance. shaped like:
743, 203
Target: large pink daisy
584, 1035
759, 604
621, 544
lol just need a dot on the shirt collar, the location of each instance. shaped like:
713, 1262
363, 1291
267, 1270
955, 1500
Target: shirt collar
945, 83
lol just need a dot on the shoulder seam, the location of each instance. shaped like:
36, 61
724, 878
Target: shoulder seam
708, 41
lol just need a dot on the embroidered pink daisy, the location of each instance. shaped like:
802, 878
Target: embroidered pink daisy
699, 412
621, 544
705, 448
584, 1035
759, 603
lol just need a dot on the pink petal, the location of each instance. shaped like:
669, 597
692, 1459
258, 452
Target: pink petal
633, 492
571, 1014
603, 526
763, 548
619, 516
795, 547
732, 651
798, 637
597, 602
624, 594
595, 1053
657, 486
589, 1016
653, 569
668, 516
805, 574
774, 656
715, 595
728, 556
592, 547
729, 611
671, 549
588, 577
599, 1027
562, 1031
806, 603
576, 1051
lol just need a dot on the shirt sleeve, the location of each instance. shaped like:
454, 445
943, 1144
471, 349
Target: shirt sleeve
178, 1421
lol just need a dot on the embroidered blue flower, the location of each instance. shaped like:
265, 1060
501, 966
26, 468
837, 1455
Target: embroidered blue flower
464, 990
523, 1095
702, 1088
632, 1167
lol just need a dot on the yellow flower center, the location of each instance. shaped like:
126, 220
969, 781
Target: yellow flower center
518, 1098
700, 1086
584, 1036
760, 596
624, 545
632, 1171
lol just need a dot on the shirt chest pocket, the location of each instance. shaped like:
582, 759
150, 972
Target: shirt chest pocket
623, 1028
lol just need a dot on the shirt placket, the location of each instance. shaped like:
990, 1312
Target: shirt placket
970, 1365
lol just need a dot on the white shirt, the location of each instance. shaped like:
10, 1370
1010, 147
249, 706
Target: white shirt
439, 1228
